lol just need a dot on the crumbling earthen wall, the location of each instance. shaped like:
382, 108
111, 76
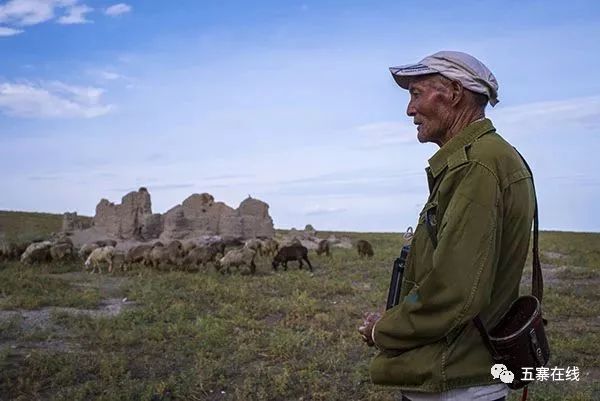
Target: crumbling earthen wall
198, 215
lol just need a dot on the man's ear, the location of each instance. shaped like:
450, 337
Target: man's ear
457, 92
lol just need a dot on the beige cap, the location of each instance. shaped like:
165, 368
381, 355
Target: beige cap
457, 66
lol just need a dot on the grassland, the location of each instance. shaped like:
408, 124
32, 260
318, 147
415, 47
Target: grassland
28, 226
273, 336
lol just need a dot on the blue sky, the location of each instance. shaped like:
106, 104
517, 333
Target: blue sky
291, 102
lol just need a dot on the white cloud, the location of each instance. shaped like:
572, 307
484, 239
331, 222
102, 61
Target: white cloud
51, 100
117, 9
76, 15
109, 75
33, 12
27, 12
569, 114
4, 31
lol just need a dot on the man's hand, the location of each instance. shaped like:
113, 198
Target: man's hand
366, 329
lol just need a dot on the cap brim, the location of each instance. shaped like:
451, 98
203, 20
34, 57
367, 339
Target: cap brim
404, 73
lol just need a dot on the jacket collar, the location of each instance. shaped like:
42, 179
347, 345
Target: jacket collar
439, 161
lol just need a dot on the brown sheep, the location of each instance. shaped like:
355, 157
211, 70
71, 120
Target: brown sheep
219, 247
288, 253
200, 256
138, 254
166, 255
323, 248
118, 260
232, 242
364, 248
62, 251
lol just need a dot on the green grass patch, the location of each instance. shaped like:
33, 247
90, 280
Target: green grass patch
27, 287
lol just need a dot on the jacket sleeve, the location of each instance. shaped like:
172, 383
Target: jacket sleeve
460, 281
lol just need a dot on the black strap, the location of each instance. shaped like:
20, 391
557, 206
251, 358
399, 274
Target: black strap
537, 281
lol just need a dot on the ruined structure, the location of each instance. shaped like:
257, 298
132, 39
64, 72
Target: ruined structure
72, 222
126, 219
198, 215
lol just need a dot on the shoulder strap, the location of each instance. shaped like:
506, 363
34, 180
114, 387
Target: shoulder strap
537, 281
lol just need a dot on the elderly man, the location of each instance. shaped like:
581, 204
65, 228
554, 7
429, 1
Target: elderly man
470, 246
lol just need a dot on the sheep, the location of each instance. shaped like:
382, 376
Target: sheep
254, 244
200, 256
62, 251
288, 253
188, 245
86, 249
295, 242
62, 238
169, 255
237, 258
174, 252
118, 260
98, 255
37, 252
233, 242
156, 255
138, 254
219, 246
270, 247
323, 248
364, 248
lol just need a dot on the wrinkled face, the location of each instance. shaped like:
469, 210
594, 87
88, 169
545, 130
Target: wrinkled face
431, 108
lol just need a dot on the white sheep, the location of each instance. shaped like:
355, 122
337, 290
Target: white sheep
37, 252
98, 255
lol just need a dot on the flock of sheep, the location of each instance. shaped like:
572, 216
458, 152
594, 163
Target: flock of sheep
223, 254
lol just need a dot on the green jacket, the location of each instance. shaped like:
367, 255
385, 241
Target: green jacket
483, 200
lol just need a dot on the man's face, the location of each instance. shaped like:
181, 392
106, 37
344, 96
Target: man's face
430, 108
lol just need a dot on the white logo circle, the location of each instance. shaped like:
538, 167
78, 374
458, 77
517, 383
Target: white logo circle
497, 369
507, 377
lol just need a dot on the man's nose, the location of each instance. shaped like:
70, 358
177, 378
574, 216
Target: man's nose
410, 109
